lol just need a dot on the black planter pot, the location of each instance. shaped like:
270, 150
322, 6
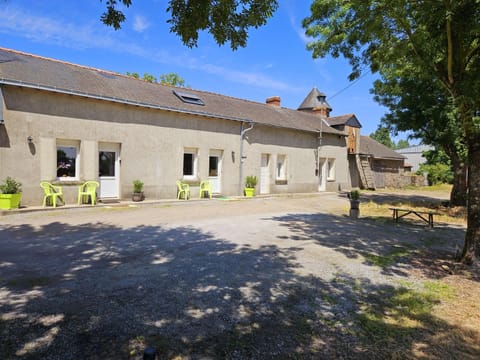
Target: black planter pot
354, 204
138, 196
354, 208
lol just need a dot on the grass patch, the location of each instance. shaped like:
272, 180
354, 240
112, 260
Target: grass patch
388, 259
382, 212
396, 315
433, 188
439, 290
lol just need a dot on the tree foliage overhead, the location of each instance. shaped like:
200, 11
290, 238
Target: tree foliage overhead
419, 104
440, 39
112, 16
382, 135
226, 20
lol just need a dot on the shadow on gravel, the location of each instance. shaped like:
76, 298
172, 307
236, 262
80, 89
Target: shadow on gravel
97, 291
390, 246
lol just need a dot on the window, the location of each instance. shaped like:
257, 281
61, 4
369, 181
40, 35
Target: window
281, 168
188, 98
213, 166
189, 164
106, 163
331, 169
67, 159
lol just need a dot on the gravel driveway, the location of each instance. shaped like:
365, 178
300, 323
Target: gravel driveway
260, 278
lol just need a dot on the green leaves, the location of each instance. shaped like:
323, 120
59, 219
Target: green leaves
226, 20
112, 16
172, 79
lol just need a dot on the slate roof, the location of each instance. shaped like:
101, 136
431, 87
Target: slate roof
22, 69
348, 119
314, 100
368, 146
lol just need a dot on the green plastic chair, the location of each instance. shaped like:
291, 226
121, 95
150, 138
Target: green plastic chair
205, 189
183, 190
88, 190
52, 193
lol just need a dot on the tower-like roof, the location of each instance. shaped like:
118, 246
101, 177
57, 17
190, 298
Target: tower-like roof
315, 100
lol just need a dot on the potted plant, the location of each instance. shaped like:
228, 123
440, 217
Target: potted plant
354, 197
250, 183
10, 194
137, 190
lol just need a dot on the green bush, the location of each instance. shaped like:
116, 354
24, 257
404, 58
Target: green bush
251, 181
10, 186
437, 173
354, 194
137, 186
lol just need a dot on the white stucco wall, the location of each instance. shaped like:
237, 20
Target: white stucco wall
151, 144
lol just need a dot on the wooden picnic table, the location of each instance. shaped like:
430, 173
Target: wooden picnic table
426, 216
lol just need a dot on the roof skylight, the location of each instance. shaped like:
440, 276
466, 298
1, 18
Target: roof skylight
188, 98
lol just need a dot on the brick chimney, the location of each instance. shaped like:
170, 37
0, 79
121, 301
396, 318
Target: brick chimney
273, 101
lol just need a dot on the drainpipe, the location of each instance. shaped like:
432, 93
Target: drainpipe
243, 131
1, 106
319, 147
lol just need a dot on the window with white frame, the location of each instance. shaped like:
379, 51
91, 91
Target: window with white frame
68, 154
190, 163
331, 169
281, 173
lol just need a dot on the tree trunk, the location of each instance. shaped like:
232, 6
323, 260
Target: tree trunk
471, 248
458, 195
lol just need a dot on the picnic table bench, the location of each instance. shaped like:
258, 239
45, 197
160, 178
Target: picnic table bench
426, 216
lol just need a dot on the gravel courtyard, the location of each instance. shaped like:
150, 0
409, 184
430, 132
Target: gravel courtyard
263, 278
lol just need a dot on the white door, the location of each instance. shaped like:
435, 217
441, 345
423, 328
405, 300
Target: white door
109, 169
322, 174
215, 171
265, 174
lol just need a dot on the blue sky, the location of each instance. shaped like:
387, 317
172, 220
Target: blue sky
275, 61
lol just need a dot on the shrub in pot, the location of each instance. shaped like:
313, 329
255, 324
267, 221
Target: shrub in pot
354, 197
10, 194
138, 191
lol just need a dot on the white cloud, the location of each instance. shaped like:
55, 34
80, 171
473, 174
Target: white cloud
296, 24
140, 24
52, 31
48, 30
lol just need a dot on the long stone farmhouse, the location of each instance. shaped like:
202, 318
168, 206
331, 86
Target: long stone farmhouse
66, 124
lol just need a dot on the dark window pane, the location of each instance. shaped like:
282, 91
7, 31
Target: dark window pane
187, 164
213, 166
106, 163
66, 161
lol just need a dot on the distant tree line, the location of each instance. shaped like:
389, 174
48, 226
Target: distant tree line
165, 79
